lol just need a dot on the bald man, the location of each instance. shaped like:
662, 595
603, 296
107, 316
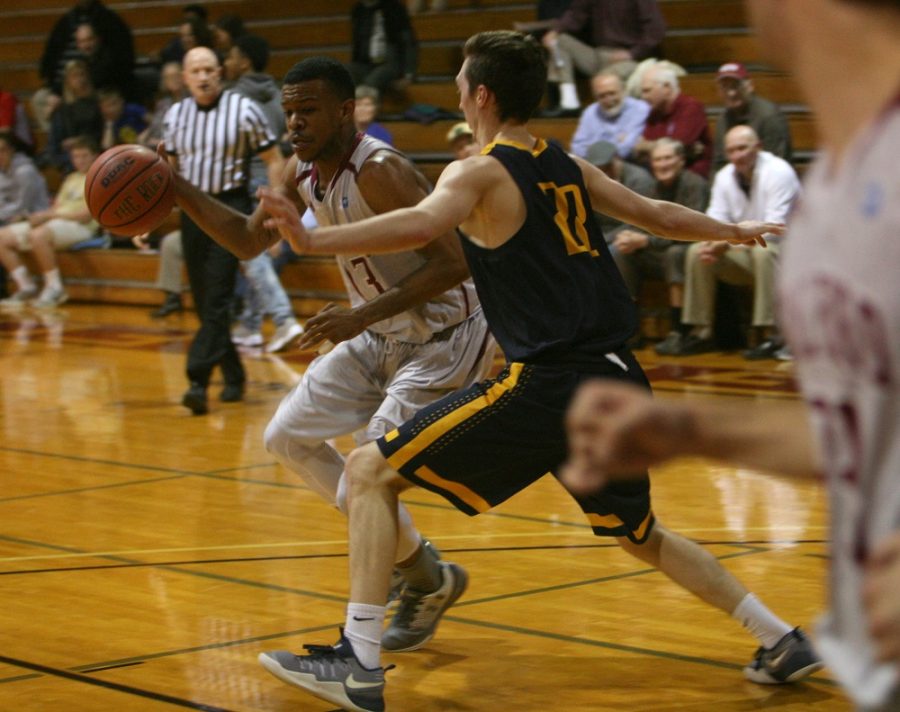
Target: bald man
755, 185
838, 288
210, 138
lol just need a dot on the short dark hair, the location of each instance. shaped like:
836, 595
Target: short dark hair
83, 141
328, 70
513, 66
254, 48
195, 9
232, 24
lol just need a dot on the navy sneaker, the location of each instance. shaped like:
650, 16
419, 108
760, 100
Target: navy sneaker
331, 673
792, 659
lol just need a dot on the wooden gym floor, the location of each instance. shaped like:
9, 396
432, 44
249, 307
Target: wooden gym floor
147, 556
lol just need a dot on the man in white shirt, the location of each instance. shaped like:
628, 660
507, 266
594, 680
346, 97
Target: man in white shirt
755, 185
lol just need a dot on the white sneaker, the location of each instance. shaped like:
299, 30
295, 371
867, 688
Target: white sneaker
51, 298
284, 336
245, 337
19, 299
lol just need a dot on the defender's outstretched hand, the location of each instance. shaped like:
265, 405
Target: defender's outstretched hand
752, 231
616, 431
284, 217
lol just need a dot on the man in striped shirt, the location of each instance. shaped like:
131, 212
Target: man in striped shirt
210, 138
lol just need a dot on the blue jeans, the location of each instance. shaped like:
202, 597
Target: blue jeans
264, 294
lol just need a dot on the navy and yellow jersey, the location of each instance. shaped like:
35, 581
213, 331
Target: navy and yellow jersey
552, 293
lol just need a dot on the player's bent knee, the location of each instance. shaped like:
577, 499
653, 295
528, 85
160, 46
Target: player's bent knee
367, 468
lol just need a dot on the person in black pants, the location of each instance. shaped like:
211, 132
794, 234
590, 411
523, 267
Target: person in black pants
209, 138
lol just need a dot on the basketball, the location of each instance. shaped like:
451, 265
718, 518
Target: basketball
129, 189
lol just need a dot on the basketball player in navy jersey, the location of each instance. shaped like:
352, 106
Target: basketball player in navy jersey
561, 313
840, 299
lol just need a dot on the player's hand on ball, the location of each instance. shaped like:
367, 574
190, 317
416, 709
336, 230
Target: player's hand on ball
332, 325
284, 217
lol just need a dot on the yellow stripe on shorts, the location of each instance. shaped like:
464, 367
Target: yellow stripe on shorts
611, 521
452, 419
473, 499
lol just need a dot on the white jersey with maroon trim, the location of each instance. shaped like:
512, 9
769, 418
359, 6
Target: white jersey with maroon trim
367, 276
840, 295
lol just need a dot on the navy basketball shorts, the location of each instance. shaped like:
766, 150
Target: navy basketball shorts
481, 445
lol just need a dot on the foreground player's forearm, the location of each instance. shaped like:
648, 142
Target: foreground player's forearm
235, 231
777, 439
397, 231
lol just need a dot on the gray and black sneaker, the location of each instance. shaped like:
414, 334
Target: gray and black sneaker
330, 673
398, 583
419, 613
792, 659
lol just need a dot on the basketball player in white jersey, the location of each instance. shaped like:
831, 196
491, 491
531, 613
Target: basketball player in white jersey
840, 297
414, 333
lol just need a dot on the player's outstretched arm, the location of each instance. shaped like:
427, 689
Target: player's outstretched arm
457, 193
242, 235
389, 182
665, 219
616, 430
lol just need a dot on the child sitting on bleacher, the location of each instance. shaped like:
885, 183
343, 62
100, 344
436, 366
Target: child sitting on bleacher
64, 224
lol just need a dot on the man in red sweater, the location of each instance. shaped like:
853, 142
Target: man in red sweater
676, 116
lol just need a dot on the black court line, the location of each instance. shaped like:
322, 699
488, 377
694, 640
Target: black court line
755, 394
137, 660
128, 689
94, 488
96, 461
752, 545
695, 659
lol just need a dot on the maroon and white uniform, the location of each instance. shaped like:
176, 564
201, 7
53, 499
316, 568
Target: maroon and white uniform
840, 293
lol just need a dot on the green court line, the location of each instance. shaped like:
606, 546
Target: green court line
96, 461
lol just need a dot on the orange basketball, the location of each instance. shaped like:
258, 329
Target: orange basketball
129, 189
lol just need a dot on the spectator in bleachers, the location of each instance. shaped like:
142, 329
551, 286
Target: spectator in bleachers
122, 122
171, 268
260, 288
171, 89
674, 115
14, 121
416, 6
621, 35
226, 31
77, 115
66, 223
605, 156
743, 106
105, 71
614, 117
175, 49
195, 32
639, 254
23, 190
61, 47
755, 185
366, 111
462, 141
384, 51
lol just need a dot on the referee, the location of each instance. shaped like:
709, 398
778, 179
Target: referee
210, 138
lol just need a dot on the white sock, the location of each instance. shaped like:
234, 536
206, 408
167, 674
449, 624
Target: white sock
764, 625
568, 96
22, 278
52, 279
363, 630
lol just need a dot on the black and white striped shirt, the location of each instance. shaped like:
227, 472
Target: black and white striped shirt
214, 144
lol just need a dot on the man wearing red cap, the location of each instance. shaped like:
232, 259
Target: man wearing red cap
743, 106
